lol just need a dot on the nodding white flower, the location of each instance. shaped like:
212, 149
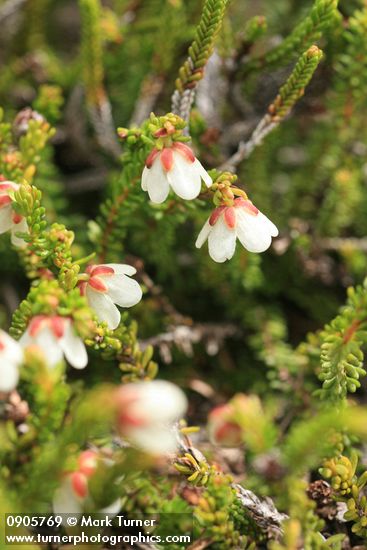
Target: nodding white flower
11, 357
9, 219
109, 285
222, 430
147, 412
174, 166
57, 338
243, 221
72, 497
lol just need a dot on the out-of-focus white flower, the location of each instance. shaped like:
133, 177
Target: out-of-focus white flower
175, 167
147, 412
109, 285
11, 357
243, 221
57, 338
222, 430
9, 218
72, 497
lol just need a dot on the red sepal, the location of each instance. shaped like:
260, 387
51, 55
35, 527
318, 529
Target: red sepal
167, 159
151, 157
184, 150
216, 214
79, 484
230, 217
98, 284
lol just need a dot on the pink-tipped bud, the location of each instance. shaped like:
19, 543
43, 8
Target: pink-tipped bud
222, 430
162, 132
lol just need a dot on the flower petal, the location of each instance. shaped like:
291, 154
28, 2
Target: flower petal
164, 401
144, 178
21, 227
64, 501
104, 307
203, 173
184, 178
10, 349
255, 232
9, 375
204, 234
49, 345
6, 218
122, 269
154, 439
222, 241
156, 183
123, 291
112, 509
74, 348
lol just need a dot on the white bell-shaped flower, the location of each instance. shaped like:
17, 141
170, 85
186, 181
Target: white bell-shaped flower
72, 497
57, 339
243, 221
147, 412
109, 285
9, 219
11, 357
175, 167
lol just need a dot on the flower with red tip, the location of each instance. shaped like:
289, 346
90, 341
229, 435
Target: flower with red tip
108, 285
222, 430
9, 218
243, 221
147, 412
11, 357
56, 337
177, 167
73, 497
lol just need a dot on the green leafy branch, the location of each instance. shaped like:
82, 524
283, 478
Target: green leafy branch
341, 351
322, 15
199, 53
289, 93
93, 75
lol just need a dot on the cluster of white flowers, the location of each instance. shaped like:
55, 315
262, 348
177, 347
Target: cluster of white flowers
147, 411
177, 167
146, 416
